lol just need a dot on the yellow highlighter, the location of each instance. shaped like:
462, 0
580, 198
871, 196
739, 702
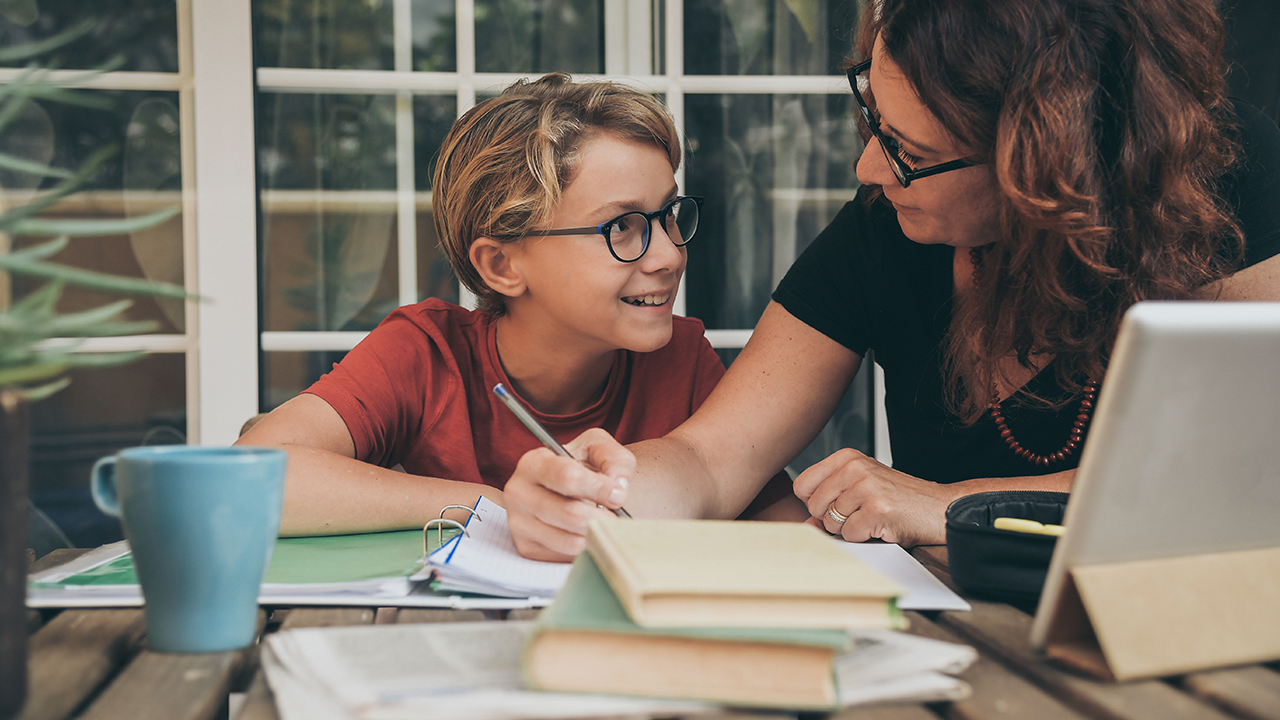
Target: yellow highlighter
1026, 526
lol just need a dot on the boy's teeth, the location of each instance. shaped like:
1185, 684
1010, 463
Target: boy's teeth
648, 299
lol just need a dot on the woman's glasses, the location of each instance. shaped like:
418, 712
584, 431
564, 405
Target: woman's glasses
628, 234
893, 150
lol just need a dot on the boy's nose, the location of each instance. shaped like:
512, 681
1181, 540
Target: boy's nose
662, 251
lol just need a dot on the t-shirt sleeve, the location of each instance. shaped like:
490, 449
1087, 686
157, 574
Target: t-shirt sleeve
1257, 184
826, 288
378, 388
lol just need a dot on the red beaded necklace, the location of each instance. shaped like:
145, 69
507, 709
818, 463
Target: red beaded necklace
1077, 428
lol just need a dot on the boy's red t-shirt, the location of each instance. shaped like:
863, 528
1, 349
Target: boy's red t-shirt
417, 392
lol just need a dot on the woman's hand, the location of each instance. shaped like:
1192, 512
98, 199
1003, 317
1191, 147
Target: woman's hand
550, 498
878, 501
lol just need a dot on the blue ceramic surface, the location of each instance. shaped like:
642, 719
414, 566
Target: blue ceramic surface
201, 522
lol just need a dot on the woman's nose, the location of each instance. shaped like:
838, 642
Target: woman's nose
873, 167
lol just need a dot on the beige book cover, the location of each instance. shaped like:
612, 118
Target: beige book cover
713, 573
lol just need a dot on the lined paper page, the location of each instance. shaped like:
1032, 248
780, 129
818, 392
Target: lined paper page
485, 560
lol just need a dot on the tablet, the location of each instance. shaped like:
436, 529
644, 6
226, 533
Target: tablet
1183, 457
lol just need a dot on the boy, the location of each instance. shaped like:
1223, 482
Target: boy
556, 203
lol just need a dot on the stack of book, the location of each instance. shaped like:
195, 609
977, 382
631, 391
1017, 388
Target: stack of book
741, 613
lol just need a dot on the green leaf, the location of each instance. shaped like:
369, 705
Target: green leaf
24, 374
88, 228
41, 392
61, 190
40, 301
10, 162
90, 279
41, 251
39, 47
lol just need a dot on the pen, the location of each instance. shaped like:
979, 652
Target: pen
540, 432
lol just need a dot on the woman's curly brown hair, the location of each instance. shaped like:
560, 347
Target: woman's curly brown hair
1108, 129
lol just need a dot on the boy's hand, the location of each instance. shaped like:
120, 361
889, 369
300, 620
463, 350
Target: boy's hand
550, 498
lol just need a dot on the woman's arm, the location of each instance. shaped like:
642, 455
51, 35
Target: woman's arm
772, 402
329, 492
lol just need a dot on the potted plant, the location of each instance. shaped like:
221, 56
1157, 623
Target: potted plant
38, 345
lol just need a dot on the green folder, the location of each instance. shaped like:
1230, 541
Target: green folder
326, 560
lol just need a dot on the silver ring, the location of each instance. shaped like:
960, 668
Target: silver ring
835, 514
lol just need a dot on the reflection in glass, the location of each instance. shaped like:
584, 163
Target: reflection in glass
768, 37
433, 115
774, 170
148, 172
539, 36
328, 170
324, 34
144, 33
435, 38
153, 180
285, 374
102, 411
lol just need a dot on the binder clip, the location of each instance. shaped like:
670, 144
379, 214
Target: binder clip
440, 523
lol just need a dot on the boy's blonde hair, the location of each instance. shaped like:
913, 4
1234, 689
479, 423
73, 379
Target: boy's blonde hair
504, 164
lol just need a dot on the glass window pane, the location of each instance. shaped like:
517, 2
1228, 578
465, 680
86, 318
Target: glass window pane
540, 36
324, 34
329, 142
327, 269
285, 374
435, 36
774, 170
768, 37
143, 176
101, 412
328, 171
433, 115
144, 33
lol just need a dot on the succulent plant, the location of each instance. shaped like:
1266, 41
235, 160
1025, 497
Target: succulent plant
38, 345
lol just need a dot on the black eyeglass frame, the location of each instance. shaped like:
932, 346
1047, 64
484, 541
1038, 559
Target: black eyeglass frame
904, 172
606, 227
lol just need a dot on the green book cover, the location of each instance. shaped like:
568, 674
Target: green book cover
586, 602
303, 560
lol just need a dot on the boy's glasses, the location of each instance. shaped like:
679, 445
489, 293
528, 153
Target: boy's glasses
893, 150
628, 234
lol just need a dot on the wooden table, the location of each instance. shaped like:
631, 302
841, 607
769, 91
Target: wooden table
93, 665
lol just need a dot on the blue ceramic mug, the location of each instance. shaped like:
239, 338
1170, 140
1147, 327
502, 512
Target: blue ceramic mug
201, 522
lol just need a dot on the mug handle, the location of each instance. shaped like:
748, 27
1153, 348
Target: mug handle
102, 482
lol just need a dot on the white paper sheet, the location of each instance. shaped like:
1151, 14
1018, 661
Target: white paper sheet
924, 591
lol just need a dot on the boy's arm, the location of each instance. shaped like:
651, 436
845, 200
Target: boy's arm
329, 492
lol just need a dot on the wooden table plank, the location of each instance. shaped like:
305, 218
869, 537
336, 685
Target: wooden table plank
1251, 692
997, 691
259, 702
73, 655
169, 686
1005, 632
327, 617
885, 712
438, 615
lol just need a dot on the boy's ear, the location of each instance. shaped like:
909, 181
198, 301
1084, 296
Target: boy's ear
491, 259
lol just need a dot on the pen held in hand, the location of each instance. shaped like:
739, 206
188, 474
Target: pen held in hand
539, 432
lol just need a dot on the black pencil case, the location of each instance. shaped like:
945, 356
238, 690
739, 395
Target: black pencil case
1003, 565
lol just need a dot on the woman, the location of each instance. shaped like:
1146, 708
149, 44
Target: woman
1032, 169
